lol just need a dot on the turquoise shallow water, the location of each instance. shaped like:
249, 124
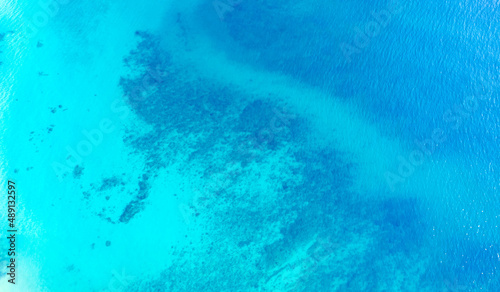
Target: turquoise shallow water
250, 146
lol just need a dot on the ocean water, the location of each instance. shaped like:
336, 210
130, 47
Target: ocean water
250, 145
